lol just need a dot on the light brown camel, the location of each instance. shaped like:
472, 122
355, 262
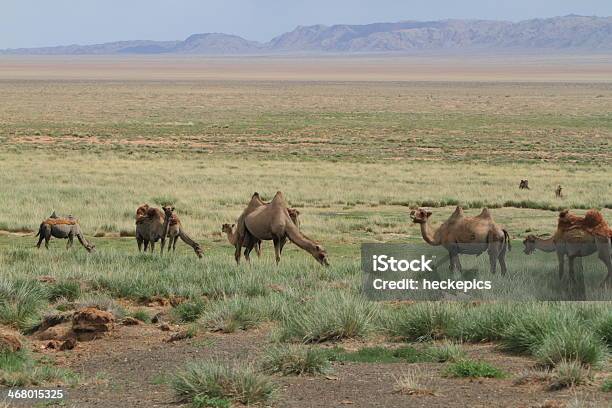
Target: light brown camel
151, 226
175, 230
272, 223
466, 235
232, 231
63, 228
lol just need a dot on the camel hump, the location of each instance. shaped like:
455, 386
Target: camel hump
60, 221
485, 213
279, 199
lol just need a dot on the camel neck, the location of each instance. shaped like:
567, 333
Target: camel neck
545, 245
428, 233
299, 239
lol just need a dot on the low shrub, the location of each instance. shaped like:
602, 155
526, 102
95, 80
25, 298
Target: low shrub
295, 360
473, 369
329, 316
568, 374
188, 311
207, 381
234, 314
423, 321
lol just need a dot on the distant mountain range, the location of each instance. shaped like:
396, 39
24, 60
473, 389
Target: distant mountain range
571, 33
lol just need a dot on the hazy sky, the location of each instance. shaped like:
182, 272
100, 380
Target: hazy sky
31, 23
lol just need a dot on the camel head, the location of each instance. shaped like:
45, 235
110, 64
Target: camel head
320, 254
90, 247
198, 250
530, 244
228, 228
420, 215
168, 210
294, 214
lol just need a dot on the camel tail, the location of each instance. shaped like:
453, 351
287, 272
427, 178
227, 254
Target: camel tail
507, 240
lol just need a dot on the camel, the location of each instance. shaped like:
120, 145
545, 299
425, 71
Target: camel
466, 235
559, 191
232, 236
63, 228
175, 230
232, 232
272, 222
575, 244
524, 185
151, 226
577, 237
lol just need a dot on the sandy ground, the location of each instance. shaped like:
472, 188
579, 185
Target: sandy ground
478, 67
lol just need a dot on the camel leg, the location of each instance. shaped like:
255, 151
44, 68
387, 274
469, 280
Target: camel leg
454, 266
281, 244
561, 259
47, 238
502, 258
277, 249
146, 245
258, 249
69, 242
139, 242
493, 257
174, 243
40, 240
604, 252
248, 248
152, 246
163, 244
571, 268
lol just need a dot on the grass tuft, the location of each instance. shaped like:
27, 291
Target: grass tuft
210, 381
569, 374
295, 360
473, 369
571, 343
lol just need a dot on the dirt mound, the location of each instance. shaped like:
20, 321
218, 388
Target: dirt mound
92, 320
592, 223
10, 341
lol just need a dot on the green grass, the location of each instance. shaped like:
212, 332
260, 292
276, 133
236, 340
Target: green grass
295, 360
331, 315
142, 315
404, 354
571, 343
200, 382
188, 311
569, 374
473, 369
20, 369
607, 385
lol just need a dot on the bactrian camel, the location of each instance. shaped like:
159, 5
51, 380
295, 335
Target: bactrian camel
272, 222
466, 235
151, 226
175, 230
232, 231
576, 237
63, 228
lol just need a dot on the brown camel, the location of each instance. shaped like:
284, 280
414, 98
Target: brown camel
151, 226
272, 223
466, 235
524, 185
232, 231
559, 191
63, 228
175, 230
577, 237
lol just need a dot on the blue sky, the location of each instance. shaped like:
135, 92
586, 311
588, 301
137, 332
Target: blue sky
29, 23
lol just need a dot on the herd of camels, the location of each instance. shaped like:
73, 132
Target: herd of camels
275, 221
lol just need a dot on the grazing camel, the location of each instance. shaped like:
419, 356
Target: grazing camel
524, 185
175, 230
63, 228
466, 235
151, 226
272, 223
232, 231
